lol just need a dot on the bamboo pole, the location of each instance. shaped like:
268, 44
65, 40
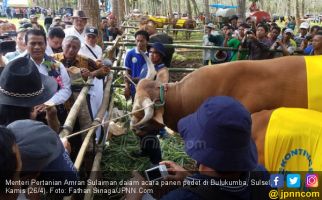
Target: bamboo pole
98, 157
186, 51
202, 47
176, 41
98, 120
109, 52
184, 46
118, 58
170, 29
170, 69
71, 118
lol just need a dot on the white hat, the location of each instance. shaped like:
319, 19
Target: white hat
305, 25
288, 30
211, 25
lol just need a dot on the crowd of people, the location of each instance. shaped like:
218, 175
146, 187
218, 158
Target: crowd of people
264, 40
45, 70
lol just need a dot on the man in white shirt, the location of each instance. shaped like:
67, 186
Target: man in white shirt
78, 28
91, 50
36, 46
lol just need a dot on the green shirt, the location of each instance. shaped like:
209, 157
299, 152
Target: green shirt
234, 43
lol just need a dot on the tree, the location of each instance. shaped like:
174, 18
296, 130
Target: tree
302, 10
170, 8
179, 8
189, 9
297, 9
91, 9
121, 10
127, 7
115, 8
195, 7
289, 8
206, 11
241, 10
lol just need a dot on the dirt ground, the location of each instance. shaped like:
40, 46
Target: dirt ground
189, 60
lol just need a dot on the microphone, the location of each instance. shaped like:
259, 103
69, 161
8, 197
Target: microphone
107, 62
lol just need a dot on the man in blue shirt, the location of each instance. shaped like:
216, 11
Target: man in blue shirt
134, 62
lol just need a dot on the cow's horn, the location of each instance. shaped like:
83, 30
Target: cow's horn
148, 112
151, 70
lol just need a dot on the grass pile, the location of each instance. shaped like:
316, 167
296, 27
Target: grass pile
117, 163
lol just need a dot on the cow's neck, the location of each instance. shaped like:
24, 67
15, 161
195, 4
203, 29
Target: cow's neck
173, 106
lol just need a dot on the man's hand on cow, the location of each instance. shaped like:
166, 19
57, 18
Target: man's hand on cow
176, 172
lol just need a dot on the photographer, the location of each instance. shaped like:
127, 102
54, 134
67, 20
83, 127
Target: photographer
303, 32
218, 137
274, 33
208, 54
285, 44
316, 45
234, 42
259, 44
20, 45
306, 44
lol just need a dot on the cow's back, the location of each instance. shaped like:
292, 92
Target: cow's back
259, 85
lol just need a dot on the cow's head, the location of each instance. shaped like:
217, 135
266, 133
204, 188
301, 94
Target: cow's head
151, 118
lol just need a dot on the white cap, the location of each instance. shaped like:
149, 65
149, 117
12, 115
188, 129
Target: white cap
305, 25
288, 30
211, 25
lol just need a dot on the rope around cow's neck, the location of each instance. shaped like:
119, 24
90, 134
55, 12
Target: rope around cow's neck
108, 121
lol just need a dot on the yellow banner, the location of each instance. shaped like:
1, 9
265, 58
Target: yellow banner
293, 140
314, 81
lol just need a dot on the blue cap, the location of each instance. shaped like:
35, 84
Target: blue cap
38, 144
159, 47
218, 135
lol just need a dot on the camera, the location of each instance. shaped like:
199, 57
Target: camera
7, 46
156, 173
309, 37
249, 32
6, 43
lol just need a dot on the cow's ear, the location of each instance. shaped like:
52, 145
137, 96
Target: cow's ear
158, 118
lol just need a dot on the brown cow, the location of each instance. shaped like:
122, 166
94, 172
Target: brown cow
159, 21
183, 24
258, 85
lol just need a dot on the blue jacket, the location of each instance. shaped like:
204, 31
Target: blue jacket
244, 191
